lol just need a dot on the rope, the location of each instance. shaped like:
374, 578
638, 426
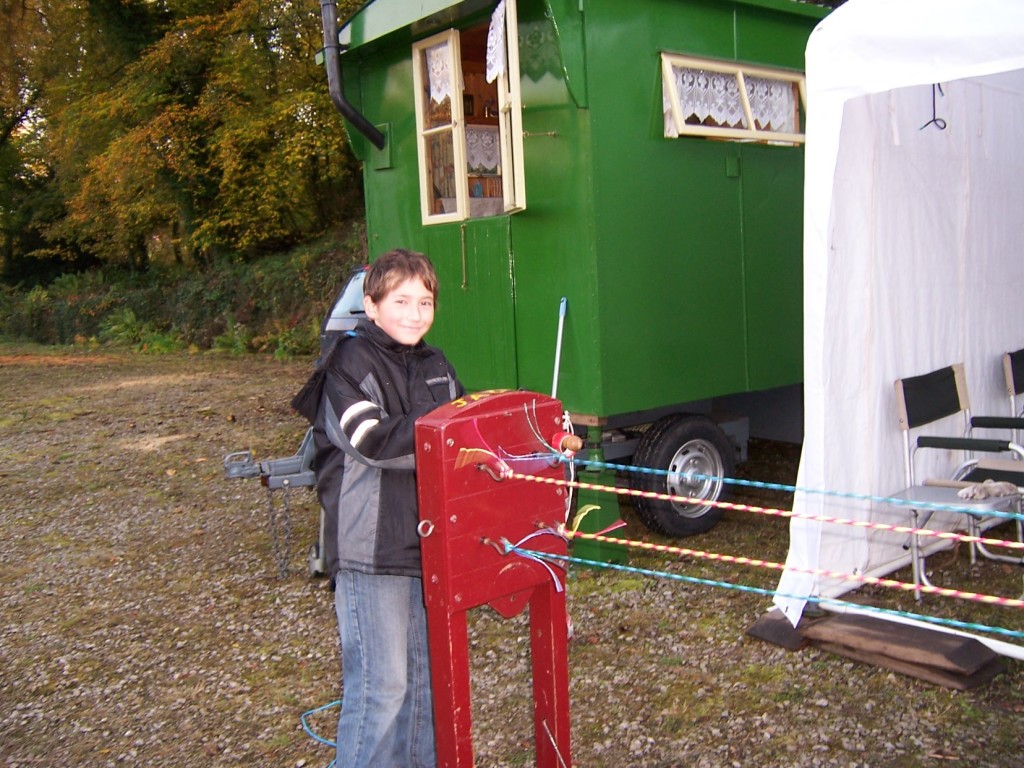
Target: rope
770, 592
740, 560
795, 489
562, 561
541, 561
313, 735
784, 513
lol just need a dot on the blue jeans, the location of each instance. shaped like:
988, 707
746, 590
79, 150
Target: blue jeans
386, 717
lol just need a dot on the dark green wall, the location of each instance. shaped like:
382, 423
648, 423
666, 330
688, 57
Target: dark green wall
554, 239
699, 242
680, 258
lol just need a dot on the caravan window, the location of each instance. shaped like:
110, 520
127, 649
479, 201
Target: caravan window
469, 123
726, 100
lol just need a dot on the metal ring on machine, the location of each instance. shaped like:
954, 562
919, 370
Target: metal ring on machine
425, 528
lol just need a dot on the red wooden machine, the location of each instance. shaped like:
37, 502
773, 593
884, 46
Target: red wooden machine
472, 507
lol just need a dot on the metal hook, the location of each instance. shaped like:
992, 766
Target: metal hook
937, 121
490, 471
499, 548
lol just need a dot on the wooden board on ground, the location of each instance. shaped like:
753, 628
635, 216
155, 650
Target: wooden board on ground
934, 675
915, 645
952, 661
773, 627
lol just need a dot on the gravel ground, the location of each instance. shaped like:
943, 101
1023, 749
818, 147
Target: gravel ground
145, 620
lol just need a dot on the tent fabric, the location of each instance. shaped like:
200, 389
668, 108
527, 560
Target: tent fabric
913, 239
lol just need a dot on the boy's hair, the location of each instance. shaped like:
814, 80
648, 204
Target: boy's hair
395, 267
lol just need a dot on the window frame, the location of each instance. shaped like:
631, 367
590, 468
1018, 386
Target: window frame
510, 117
669, 61
510, 125
424, 133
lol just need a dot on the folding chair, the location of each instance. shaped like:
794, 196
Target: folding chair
1013, 373
1013, 425
931, 398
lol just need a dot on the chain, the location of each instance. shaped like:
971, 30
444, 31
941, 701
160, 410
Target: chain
280, 531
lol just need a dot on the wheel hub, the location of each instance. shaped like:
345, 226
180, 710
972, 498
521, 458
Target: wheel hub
695, 472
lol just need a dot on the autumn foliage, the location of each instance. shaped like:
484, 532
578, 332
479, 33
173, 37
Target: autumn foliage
135, 132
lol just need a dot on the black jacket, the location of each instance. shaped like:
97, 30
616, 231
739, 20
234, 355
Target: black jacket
374, 390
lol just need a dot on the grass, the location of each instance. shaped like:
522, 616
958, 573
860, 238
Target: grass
174, 612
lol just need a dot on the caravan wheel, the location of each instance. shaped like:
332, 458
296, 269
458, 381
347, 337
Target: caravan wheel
696, 454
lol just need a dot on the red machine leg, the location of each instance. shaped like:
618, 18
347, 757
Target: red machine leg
471, 507
548, 643
449, 668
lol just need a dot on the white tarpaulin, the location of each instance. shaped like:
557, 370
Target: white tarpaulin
913, 251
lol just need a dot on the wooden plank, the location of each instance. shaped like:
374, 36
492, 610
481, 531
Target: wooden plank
915, 645
774, 627
933, 675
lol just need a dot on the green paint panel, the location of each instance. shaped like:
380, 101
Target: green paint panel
679, 258
674, 222
766, 37
475, 317
553, 240
565, 33
773, 264
376, 21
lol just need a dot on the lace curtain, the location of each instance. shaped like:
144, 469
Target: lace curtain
439, 71
713, 98
541, 57
772, 103
483, 152
496, 44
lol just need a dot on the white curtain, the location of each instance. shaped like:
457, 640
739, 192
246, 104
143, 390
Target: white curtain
483, 150
911, 251
706, 95
772, 103
496, 56
439, 72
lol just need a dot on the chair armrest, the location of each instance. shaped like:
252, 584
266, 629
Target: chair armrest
984, 445
997, 422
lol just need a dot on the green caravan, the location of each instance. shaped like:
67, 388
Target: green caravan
612, 194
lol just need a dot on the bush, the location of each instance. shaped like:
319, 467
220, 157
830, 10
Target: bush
235, 340
122, 328
156, 343
273, 305
299, 340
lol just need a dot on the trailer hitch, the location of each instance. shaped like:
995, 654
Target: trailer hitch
281, 474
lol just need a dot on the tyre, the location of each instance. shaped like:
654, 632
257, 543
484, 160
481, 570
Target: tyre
697, 455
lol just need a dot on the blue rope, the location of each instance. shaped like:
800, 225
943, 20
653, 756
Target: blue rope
768, 592
510, 548
316, 737
588, 463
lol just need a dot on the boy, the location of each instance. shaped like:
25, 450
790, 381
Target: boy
377, 384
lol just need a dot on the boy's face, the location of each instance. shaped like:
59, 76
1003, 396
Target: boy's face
405, 314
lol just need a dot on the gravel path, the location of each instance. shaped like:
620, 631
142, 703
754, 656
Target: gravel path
145, 621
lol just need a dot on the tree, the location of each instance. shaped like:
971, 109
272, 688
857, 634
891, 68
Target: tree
204, 124
57, 54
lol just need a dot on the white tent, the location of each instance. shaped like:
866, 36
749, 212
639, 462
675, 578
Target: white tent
913, 250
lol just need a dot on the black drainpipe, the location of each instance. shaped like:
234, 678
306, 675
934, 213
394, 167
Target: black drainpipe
329, 15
